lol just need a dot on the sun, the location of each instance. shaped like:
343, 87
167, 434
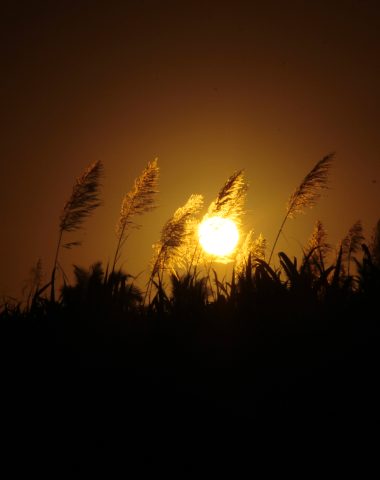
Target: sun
218, 236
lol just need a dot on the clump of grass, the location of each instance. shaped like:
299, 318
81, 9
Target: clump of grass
97, 292
307, 194
139, 200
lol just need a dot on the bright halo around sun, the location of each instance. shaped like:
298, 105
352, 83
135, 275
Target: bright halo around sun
218, 236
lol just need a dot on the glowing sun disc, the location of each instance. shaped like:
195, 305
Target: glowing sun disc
218, 236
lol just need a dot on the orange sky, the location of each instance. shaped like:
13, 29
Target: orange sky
208, 87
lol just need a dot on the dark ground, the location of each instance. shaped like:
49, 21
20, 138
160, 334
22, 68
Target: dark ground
185, 399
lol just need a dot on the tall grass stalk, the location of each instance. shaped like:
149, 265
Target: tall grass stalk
84, 199
318, 246
307, 194
251, 247
352, 243
169, 250
141, 199
229, 203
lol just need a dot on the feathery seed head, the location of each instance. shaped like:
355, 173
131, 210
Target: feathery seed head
140, 199
168, 251
318, 239
254, 247
309, 191
354, 239
84, 198
230, 200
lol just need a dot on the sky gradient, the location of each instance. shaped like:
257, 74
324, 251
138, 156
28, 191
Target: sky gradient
208, 88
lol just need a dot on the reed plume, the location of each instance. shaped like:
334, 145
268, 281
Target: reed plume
230, 200
229, 203
318, 244
308, 192
352, 242
250, 248
84, 199
169, 251
140, 200
191, 253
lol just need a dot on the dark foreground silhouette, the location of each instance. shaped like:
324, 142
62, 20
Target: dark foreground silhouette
274, 374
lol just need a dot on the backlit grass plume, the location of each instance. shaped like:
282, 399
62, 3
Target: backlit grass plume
140, 200
84, 199
230, 200
168, 251
317, 248
308, 192
191, 253
251, 247
317, 242
352, 243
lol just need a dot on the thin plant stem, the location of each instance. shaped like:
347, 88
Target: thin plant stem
52, 288
277, 237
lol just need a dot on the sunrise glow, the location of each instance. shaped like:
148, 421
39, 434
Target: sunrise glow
218, 236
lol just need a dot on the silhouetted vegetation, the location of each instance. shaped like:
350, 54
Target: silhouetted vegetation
288, 347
